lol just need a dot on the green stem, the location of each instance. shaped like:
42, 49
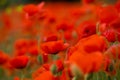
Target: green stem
22, 74
97, 29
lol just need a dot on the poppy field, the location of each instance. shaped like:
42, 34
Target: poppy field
60, 41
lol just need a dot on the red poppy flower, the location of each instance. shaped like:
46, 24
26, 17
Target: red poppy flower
110, 35
50, 37
43, 68
89, 45
3, 58
21, 43
53, 47
86, 28
87, 63
32, 43
64, 25
117, 6
33, 50
19, 62
87, 54
115, 51
107, 14
93, 43
115, 24
52, 19
6, 21
31, 9
20, 52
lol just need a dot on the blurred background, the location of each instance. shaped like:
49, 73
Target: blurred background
5, 3
9, 2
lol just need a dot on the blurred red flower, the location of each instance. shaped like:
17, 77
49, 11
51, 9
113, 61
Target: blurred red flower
19, 62
53, 47
3, 57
